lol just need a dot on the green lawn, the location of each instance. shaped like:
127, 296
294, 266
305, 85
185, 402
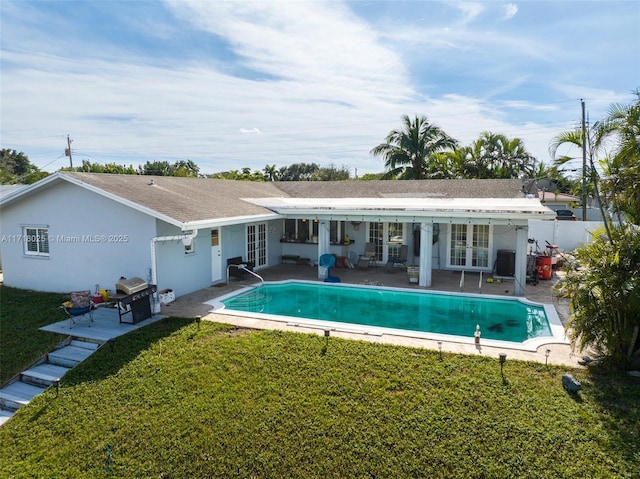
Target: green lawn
175, 401
22, 312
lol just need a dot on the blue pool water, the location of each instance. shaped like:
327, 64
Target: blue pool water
504, 319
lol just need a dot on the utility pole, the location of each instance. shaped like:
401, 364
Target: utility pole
67, 151
584, 165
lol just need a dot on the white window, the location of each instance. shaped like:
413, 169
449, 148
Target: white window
36, 241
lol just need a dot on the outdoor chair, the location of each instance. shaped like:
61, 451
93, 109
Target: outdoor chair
368, 258
398, 260
80, 306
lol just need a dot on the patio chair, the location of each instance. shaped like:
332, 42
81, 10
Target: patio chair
368, 258
328, 261
398, 260
80, 306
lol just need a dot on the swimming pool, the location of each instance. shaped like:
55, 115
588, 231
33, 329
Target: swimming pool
383, 310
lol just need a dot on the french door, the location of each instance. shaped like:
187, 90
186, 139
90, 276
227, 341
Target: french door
386, 238
469, 246
257, 244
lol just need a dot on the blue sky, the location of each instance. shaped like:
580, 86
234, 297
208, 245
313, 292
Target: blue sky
245, 84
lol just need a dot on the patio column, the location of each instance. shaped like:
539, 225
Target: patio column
522, 234
426, 254
324, 243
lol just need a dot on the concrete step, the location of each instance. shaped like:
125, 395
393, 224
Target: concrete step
43, 375
69, 356
84, 344
17, 394
5, 415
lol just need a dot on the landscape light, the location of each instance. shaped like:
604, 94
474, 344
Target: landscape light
546, 356
503, 359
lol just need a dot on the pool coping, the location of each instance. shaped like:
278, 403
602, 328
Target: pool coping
558, 334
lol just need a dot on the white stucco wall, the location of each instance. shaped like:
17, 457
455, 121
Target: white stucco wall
568, 235
92, 240
183, 273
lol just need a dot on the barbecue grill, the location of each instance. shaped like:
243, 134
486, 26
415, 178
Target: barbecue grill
130, 286
134, 297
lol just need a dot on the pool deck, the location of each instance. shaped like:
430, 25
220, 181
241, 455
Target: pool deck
195, 304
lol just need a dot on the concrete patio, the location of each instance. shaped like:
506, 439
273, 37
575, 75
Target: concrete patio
106, 325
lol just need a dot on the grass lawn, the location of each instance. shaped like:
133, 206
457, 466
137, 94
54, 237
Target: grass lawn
175, 401
22, 312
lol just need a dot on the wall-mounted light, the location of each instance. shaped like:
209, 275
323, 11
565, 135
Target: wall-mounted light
187, 241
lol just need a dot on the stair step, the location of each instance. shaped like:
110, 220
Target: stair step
84, 344
17, 394
5, 415
69, 356
43, 374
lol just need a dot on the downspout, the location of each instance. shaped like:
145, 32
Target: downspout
186, 239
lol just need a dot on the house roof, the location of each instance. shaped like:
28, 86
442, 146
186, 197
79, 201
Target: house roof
403, 189
199, 202
550, 197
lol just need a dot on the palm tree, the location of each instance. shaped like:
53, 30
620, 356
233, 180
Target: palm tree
496, 156
605, 296
270, 173
594, 141
622, 170
408, 152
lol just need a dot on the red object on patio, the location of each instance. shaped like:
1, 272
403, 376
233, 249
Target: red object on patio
544, 266
341, 262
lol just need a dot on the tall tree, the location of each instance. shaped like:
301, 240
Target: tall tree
594, 139
496, 156
622, 168
270, 173
298, 172
15, 168
408, 152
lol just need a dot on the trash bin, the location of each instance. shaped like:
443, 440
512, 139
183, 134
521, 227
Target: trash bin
544, 265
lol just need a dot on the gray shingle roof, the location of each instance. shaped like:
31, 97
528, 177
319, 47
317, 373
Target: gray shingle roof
403, 189
203, 199
184, 199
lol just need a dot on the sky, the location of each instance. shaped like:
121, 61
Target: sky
236, 84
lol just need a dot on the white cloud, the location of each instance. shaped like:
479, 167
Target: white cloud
323, 84
470, 10
510, 11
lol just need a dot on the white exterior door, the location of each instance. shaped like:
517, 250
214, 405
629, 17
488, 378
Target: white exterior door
469, 247
216, 256
257, 244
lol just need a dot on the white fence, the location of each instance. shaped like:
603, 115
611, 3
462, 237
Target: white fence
567, 235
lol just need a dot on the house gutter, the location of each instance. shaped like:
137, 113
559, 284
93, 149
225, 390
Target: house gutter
186, 238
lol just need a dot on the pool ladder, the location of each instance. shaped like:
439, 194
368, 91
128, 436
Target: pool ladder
244, 268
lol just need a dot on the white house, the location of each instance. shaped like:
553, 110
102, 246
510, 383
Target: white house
72, 231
